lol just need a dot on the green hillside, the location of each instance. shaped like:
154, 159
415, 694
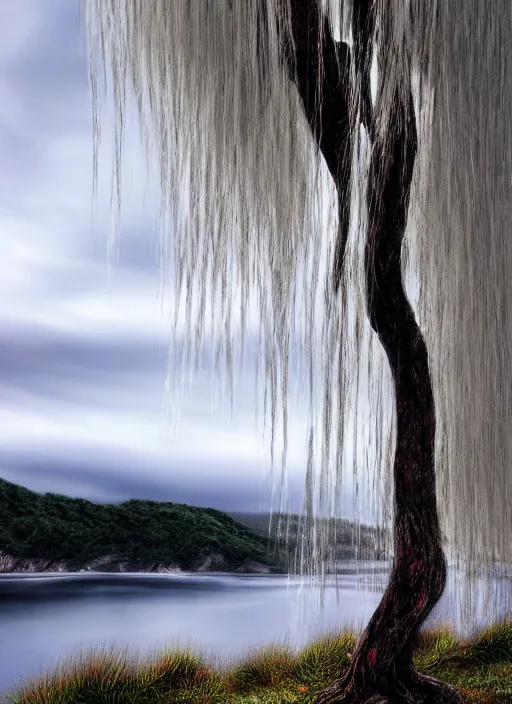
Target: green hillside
135, 535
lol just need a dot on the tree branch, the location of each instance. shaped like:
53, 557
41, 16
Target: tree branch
320, 68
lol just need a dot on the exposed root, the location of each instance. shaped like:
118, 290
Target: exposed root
412, 689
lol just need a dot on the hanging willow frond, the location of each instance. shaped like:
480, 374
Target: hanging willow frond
252, 212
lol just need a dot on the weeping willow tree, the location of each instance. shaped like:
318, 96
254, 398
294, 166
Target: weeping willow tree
315, 157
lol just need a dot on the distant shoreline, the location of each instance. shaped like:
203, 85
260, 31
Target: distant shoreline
112, 565
17, 566
55, 533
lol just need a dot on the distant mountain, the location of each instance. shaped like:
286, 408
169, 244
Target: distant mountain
344, 532
48, 531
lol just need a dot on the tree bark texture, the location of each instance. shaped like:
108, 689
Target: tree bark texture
382, 668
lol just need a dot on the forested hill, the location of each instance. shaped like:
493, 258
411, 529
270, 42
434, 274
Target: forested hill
50, 531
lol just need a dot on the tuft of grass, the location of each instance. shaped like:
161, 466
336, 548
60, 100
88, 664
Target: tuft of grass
480, 668
269, 666
325, 659
173, 670
493, 645
436, 647
101, 676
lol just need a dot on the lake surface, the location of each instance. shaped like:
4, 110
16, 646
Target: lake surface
48, 617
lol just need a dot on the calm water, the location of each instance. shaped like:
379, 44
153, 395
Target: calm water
44, 618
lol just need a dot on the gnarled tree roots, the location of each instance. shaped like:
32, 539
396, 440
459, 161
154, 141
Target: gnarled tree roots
409, 688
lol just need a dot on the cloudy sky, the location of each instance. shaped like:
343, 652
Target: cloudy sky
84, 346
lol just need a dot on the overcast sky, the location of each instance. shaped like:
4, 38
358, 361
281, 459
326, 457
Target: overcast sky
83, 350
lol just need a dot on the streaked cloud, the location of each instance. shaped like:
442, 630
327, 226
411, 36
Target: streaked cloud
84, 346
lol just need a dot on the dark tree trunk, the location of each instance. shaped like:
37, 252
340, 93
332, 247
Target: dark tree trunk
382, 664
382, 668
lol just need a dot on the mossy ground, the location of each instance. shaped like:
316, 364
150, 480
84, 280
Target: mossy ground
481, 669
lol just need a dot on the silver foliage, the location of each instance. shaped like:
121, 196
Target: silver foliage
251, 216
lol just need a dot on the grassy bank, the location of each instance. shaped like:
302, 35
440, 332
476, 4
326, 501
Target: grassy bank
480, 668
